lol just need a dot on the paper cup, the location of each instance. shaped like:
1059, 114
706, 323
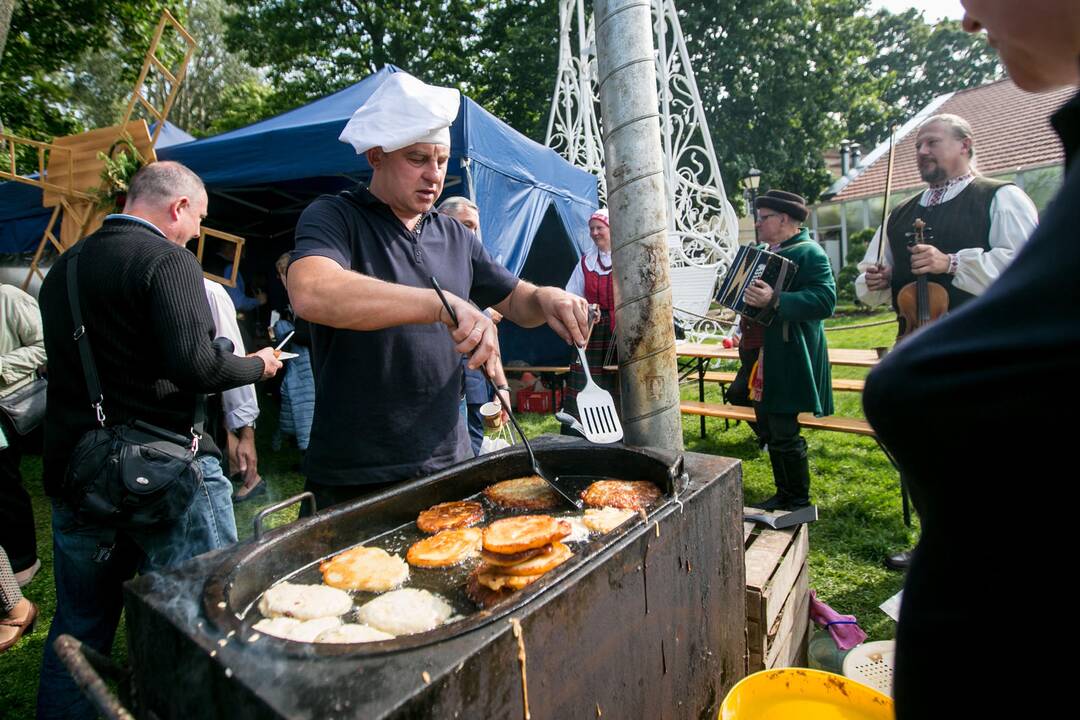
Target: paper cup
492, 414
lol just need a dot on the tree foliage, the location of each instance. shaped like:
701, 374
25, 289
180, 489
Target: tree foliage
314, 47
46, 38
772, 80
913, 62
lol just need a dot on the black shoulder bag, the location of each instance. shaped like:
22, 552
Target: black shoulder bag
130, 476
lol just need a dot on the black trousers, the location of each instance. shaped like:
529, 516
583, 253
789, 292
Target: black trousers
16, 513
781, 432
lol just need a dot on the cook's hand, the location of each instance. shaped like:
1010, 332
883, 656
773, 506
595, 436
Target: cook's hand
878, 277
475, 334
758, 294
927, 259
270, 362
565, 313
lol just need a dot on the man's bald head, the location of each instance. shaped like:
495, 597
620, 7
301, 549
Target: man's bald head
170, 196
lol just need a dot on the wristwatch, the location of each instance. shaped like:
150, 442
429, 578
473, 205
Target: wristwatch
954, 263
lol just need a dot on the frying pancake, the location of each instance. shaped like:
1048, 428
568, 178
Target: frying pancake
483, 596
625, 494
304, 602
498, 581
503, 559
539, 564
352, 633
404, 612
603, 520
292, 629
449, 515
364, 568
527, 493
446, 548
514, 534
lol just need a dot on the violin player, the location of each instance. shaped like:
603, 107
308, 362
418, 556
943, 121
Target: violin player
974, 228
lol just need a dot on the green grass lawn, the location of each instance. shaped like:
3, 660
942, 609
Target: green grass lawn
854, 486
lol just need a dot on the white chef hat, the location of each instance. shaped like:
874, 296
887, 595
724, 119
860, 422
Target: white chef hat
402, 111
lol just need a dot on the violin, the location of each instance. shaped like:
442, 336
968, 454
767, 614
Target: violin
921, 302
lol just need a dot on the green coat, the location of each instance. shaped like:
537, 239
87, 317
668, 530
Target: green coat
797, 375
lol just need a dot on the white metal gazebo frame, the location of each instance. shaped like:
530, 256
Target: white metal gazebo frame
702, 225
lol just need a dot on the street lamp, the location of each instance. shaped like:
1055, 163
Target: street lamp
751, 183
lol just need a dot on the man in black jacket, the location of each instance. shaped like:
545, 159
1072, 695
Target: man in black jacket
976, 409
151, 334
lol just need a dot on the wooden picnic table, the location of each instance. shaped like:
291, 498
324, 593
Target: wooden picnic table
851, 357
700, 354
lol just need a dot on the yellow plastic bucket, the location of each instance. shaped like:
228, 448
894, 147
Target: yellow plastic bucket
804, 694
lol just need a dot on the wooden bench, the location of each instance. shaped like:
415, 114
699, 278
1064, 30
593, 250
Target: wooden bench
838, 384
856, 426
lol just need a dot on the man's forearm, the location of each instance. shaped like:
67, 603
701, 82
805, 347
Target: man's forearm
323, 293
523, 306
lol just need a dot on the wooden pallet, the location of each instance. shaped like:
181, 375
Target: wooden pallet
777, 596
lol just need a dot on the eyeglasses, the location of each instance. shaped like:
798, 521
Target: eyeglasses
762, 218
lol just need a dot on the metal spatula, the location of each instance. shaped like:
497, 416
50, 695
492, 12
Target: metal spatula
596, 409
576, 504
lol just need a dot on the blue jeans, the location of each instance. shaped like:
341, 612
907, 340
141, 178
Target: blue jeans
88, 593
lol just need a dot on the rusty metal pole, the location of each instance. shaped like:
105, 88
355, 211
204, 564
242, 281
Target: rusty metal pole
648, 372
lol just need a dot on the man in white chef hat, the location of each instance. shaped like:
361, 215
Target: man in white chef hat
385, 352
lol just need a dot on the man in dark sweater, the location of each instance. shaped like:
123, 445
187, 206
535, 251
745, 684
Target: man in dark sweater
976, 409
151, 334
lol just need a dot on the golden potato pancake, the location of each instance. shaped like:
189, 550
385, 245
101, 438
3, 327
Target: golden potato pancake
539, 564
604, 520
450, 515
527, 493
514, 534
625, 494
446, 548
501, 560
365, 568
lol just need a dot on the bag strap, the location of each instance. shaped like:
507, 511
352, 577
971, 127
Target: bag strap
86, 357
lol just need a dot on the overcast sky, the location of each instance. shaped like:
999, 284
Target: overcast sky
932, 9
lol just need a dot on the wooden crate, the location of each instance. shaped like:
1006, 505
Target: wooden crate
777, 596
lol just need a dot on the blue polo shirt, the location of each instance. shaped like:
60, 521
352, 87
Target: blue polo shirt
386, 401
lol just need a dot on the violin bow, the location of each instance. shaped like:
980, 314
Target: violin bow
884, 239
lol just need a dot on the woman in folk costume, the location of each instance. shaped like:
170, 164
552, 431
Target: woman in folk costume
592, 280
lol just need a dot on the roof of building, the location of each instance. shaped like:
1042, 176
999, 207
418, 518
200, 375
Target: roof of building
1012, 132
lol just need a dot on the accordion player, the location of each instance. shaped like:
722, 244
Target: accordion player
754, 263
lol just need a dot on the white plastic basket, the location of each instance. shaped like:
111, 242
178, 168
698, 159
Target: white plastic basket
872, 665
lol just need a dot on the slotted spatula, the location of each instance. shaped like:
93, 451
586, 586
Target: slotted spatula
596, 410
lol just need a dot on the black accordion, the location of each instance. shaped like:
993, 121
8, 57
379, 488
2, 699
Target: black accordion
752, 263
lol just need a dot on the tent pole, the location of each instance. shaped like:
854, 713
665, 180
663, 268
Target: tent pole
638, 205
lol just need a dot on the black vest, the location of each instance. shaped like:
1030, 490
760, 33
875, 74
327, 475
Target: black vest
963, 222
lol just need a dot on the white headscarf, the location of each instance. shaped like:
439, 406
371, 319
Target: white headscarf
402, 111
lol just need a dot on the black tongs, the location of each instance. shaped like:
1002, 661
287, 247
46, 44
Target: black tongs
577, 504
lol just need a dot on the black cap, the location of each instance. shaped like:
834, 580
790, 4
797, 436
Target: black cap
785, 202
